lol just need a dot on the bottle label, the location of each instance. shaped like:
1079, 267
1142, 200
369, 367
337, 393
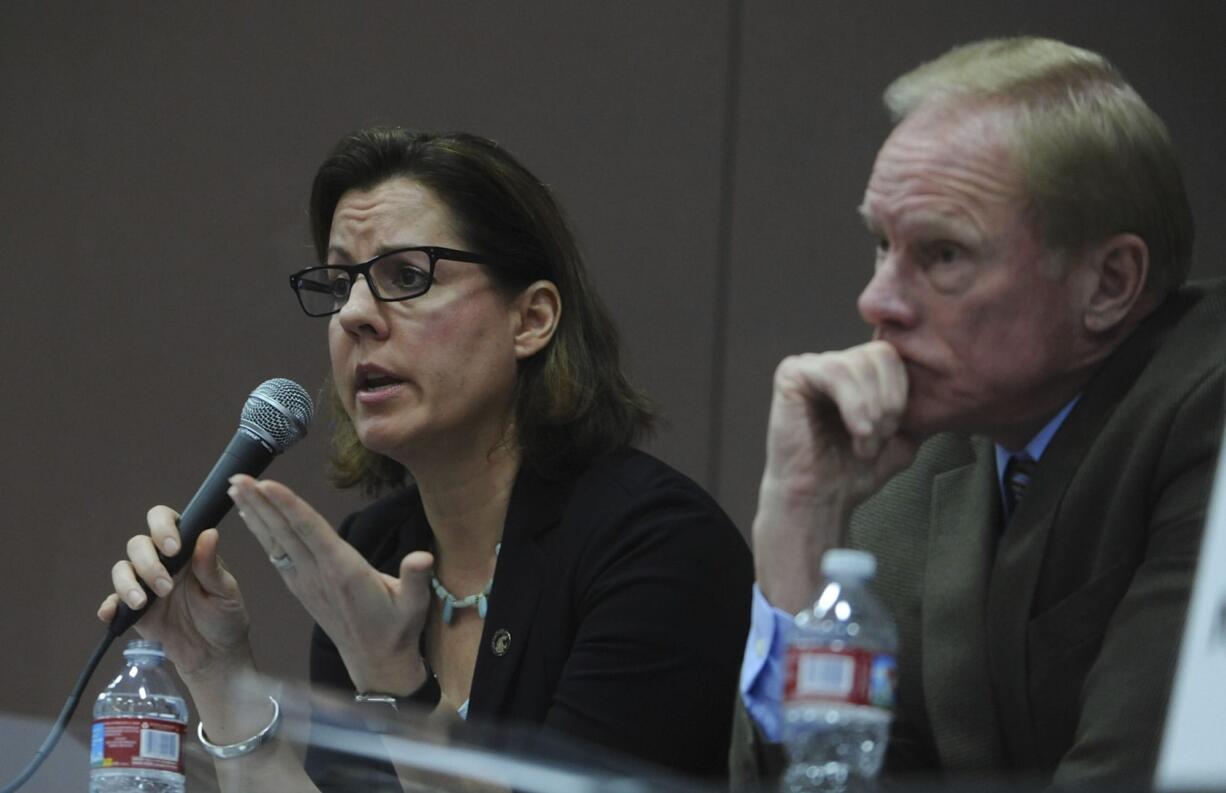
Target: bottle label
152, 744
850, 675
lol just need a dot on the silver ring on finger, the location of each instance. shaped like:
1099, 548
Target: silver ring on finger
282, 561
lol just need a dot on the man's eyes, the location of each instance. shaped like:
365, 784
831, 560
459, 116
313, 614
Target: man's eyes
942, 252
939, 252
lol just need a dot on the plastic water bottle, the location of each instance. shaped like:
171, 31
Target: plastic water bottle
839, 684
139, 720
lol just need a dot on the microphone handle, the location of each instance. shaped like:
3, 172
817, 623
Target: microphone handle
245, 454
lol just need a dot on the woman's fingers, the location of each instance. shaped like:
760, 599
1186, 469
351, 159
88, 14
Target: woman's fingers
286, 525
106, 611
201, 619
375, 620
296, 522
143, 562
163, 525
207, 566
257, 522
265, 520
144, 559
415, 571
127, 585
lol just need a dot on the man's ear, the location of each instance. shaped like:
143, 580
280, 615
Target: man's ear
1117, 271
537, 310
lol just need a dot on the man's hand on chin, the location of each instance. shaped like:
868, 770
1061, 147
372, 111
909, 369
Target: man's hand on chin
833, 439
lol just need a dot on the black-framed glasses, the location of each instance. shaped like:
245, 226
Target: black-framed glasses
396, 275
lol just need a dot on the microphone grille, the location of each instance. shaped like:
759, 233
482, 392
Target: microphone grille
279, 411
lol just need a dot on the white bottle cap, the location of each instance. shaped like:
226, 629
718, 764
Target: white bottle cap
144, 647
845, 563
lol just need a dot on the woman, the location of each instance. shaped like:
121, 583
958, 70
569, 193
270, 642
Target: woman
527, 565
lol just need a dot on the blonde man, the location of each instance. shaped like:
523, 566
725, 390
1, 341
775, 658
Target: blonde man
1029, 310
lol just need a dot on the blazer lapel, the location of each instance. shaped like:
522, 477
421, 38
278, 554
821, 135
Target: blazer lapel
1019, 558
1029, 558
536, 506
965, 514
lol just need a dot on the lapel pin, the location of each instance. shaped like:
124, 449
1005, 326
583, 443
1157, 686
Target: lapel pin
501, 642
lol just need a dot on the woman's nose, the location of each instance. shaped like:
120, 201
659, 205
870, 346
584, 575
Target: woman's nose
361, 309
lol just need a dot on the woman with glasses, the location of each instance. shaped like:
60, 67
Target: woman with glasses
524, 563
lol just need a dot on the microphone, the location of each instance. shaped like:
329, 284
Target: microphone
274, 418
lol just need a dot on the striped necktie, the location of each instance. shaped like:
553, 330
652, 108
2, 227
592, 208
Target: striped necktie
1018, 471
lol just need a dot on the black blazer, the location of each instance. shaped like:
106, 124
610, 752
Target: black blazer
625, 593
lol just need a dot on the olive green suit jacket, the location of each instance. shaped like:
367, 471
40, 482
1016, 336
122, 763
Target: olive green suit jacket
1047, 647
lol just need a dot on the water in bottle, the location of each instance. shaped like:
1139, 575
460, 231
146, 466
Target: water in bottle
839, 684
139, 720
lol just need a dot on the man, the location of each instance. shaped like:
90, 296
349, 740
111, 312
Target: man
1033, 239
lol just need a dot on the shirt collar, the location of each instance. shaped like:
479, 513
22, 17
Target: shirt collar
1038, 444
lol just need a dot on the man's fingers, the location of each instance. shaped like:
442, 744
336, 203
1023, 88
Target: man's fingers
866, 384
826, 377
851, 382
867, 447
892, 384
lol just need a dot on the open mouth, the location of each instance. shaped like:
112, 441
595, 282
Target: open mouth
371, 380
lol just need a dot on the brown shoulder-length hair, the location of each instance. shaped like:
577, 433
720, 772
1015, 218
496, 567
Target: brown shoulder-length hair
573, 402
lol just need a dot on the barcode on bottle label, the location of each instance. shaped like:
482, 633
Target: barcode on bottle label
158, 745
125, 742
825, 675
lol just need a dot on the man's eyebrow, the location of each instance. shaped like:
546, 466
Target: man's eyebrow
928, 222
941, 224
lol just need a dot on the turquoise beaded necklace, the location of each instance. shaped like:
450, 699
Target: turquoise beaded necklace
451, 602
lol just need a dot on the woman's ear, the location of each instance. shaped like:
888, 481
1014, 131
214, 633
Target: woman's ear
1119, 267
537, 310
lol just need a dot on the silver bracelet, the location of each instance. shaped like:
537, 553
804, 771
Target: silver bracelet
243, 747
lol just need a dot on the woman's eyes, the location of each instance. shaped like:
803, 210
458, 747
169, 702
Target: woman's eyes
408, 277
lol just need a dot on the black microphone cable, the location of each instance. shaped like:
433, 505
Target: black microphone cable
70, 706
274, 417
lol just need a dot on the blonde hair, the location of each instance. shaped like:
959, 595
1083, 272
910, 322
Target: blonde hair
1095, 160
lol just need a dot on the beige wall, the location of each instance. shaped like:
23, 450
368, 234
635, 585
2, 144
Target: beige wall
156, 158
